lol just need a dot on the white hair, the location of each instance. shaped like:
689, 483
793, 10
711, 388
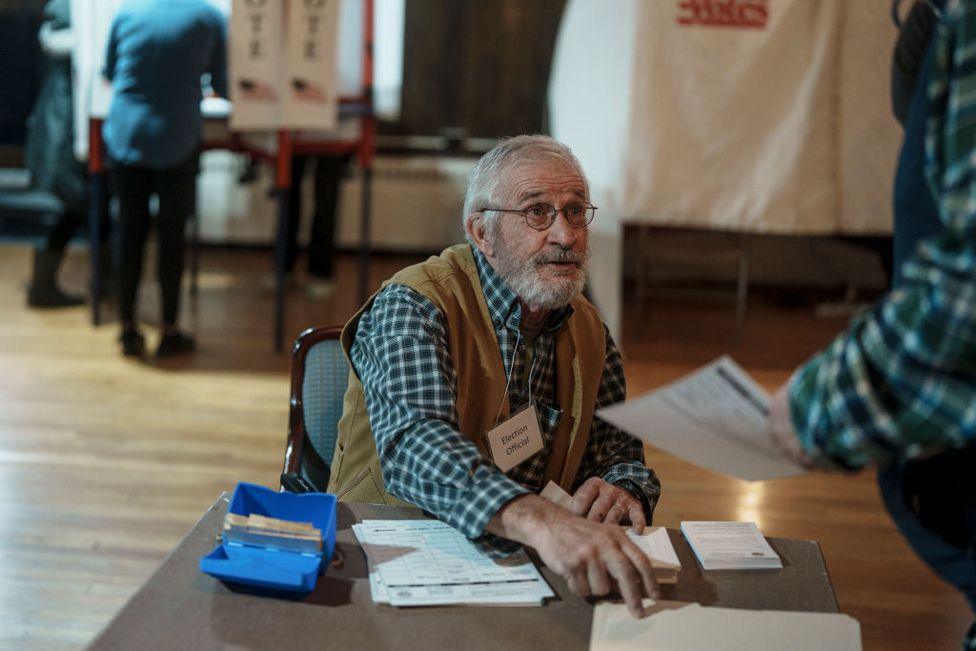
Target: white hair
488, 173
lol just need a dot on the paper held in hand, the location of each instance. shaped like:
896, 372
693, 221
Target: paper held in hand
715, 417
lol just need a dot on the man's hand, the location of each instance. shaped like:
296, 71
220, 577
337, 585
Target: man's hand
600, 501
781, 428
592, 557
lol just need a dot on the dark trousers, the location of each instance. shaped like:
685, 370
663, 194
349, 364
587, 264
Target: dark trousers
64, 229
933, 502
321, 245
175, 188
69, 222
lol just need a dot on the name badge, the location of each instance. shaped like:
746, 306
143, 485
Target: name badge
516, 439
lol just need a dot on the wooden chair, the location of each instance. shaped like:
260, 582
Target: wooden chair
319, 377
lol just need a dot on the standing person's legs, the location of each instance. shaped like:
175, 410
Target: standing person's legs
133, 187
176, 188
931, 502
293, 221
65, 228
294, 210
44, 290
329, 171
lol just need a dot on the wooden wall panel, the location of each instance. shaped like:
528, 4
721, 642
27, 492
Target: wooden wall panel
479, 66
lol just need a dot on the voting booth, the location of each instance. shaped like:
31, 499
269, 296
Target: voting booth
289, 67
756, 116
301, 80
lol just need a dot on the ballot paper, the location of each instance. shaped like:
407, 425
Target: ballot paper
716, 418
730, 546
672, 626
426, 562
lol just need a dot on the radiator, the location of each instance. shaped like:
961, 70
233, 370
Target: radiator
416, 203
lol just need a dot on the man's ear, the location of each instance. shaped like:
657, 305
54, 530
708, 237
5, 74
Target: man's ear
477, 232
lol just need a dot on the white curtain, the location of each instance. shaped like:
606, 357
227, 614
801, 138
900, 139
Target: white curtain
778, 124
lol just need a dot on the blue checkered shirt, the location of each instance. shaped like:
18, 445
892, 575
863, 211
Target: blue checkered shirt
900, 382
401, 355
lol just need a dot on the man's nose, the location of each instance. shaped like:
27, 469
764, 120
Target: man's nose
561, 232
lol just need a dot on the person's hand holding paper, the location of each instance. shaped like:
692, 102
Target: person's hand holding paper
594, 558
716, 417
781, 429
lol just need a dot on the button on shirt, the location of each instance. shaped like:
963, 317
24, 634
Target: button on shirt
157, 52
401, 355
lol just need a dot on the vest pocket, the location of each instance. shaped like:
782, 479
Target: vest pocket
354, 484
363, 488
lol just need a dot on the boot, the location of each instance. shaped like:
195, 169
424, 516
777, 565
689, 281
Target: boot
44, 290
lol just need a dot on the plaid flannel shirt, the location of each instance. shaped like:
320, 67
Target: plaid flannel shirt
901, 381
402, 358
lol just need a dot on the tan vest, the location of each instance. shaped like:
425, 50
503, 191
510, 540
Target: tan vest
451, 282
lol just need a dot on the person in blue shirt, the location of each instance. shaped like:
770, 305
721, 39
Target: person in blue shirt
158, 52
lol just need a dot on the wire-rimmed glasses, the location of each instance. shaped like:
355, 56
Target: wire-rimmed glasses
541, 216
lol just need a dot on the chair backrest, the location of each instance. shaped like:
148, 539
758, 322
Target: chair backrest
319, 377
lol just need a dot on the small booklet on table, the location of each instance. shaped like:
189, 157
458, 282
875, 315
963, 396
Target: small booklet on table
730, 546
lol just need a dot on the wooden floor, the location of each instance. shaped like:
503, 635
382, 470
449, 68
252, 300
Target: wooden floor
106, 462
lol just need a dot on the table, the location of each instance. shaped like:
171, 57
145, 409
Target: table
181, 608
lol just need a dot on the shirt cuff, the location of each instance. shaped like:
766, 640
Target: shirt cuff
640, 482
488, 490
812, 422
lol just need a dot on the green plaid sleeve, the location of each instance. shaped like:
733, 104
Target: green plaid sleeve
901, 381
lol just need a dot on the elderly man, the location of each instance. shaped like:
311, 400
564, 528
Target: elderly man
480, 370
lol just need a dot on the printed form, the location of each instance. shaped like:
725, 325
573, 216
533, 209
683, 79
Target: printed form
427, 562
715, 417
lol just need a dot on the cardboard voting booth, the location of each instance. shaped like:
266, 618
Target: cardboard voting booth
283, 65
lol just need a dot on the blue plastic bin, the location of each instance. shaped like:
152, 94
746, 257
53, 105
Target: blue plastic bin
269, 567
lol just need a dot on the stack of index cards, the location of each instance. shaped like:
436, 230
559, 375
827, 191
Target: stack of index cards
730, 546
427, 562
255, 529
656, 545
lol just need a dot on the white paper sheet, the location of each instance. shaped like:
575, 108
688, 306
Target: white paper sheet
693, 627
426, 562
730, 545
656, 545
715, 417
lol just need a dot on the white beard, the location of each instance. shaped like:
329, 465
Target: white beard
524, 278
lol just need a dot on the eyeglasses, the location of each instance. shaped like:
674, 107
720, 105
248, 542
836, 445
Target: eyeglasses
541, 216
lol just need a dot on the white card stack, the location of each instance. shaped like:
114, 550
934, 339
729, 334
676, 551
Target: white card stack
426, 562
730, 546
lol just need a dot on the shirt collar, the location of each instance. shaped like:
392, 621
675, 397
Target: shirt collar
503, 303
